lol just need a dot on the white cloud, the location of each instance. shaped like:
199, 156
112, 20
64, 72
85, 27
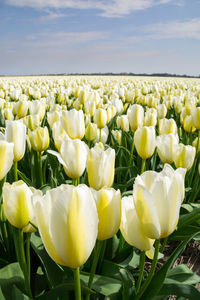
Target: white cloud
109, 8
189, 29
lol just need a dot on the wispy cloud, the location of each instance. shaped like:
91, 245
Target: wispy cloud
109, 8
189, 29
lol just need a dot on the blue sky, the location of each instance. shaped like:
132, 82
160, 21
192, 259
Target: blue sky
87, 36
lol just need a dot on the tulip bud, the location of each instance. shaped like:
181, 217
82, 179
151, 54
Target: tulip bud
123, 122
32, 121
135, 116
91, 132
166, 145
16, 133
167, 126
145, 141
118, 135
150, 118
68, 222
6, 157
39, 138
157, 198
101, 166
73, 122
17, 203
21, 108
184, 156
100, 117
196, 117
59, 134
73, 156
108, 202
130, 220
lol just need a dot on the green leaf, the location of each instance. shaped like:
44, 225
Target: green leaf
181, 290
110, 269
61, 291
128, 284
183, 232
182, 274
55, 274
158, 279
189, 218
11, 276
24, 178
102, 284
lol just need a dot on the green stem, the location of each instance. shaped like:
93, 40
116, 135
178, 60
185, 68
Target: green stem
28, 237
151, 273
99, 134
77, 284
19, 246
40, 169
130, 158
139, 281
15, 171
94, 265
143, 166
75, 181
163, 244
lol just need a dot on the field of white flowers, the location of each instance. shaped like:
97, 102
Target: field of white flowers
98, 176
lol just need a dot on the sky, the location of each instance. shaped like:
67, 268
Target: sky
98, 36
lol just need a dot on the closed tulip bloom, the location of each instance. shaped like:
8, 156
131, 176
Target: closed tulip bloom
101, 166
108, 202
39, 138
131, 228
118, 136
145, 141
17, 203
91, 132
16, 133
150, 118
6, 157
166, 145
59, 134
8, 114
20, 109
68, 223
37, 107
100, 117
196, 117
73, 123
184, 156
167, 126
135, 116
123, 122
104, 135
188, 124
73, 157
161, 110
52, 117
32, 121
157, 198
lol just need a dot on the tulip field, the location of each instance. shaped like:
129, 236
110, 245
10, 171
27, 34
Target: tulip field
99, 188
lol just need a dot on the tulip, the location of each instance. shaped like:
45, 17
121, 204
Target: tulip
100, 118
108, 202
157, 198
6, 157
39, 139
17, 203
118, 136
32, 121
68, 223
145, 141
188, 124
102, 135
161, 110
37, 107
196, 117
166, 144
135, 115
59, 134
16, 133
73, 156
167, 126
53, 117
150, 118
101, 166
20, 109
184, 156
123, 122
131, 228
73, 123
91, 132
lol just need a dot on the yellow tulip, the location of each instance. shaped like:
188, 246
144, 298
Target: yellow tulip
100, 117
101, 166
73, 123
68, 223
91, 132
39, 138
135, 116
166, 144
16, 133
184, 156
6, 157
167, 126
17, 203
131, 228
157, 198
108, 202
123, 122
145, 141
196, 117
